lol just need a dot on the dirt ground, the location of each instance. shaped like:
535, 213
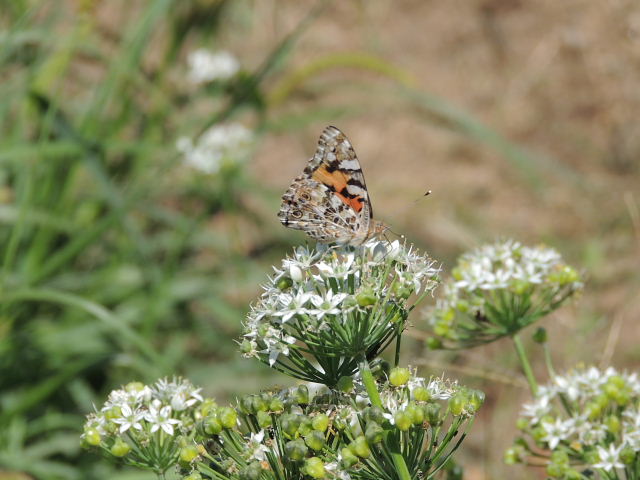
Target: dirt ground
560, 78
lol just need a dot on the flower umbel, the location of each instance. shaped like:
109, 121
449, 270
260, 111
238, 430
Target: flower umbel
206, 66
496, 290
147, 426
325, 310
586, 420
219, 146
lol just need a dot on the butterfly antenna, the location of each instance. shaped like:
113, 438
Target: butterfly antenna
428, 192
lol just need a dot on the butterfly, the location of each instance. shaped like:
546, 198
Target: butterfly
329, 201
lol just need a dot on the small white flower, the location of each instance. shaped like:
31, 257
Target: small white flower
609, 458
557, 431
129, 418
256, 449
206, 66
327, 304
160, 418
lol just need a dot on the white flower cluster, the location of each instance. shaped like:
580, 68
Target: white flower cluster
503, 265
316, 291
145, 409
206, 66
589, 410
497, 290
228, 143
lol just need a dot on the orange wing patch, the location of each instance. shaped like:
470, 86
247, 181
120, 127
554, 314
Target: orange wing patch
336, 181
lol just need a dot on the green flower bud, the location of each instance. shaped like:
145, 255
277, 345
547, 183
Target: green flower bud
296, 450
374, 414
113, 413
442, 328
302, 395
560, 457
253, 471
276, 405
211, 426
457, 404
399, 376
476, 399
193, 476
613, 424
512, 456
305, 426
522, 423
284, 283
402, 291
556, 471
345, 384
264, 419
380, 367
434, 343
360, 447
416, 414
591, 457
421, 394
228, 417
315, 440
402, 420
290, 423
92, 437
373, 433
627, 455
348, 458
259, 404
540, 335
432, 413
572, 474
320, 422
594, 410
246, 404
366, 297
207, 407
314, 467
188, 454
462, 306
246, 346
120, 448
538, 434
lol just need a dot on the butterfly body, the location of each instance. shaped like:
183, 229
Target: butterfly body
329, 201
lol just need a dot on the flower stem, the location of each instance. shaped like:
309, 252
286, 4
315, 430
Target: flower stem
394, 446
524, 362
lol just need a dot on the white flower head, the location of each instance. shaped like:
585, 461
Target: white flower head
220, 144
206, 66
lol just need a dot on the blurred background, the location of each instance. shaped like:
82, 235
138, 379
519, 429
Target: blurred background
144, 146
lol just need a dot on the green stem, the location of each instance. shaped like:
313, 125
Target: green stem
526, 366
394, 446
548, 361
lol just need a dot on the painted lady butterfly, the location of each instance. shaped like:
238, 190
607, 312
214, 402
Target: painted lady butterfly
329, 201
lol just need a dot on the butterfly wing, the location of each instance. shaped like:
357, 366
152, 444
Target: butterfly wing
329, 201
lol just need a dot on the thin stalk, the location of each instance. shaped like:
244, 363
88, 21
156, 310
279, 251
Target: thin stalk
548, 360
524, 362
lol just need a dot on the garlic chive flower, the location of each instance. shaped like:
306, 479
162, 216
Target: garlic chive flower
334, 435
585, 424
496, 290
146, 426
326, 309
220, 146
206, 66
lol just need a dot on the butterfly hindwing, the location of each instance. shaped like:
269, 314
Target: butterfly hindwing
329, 201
